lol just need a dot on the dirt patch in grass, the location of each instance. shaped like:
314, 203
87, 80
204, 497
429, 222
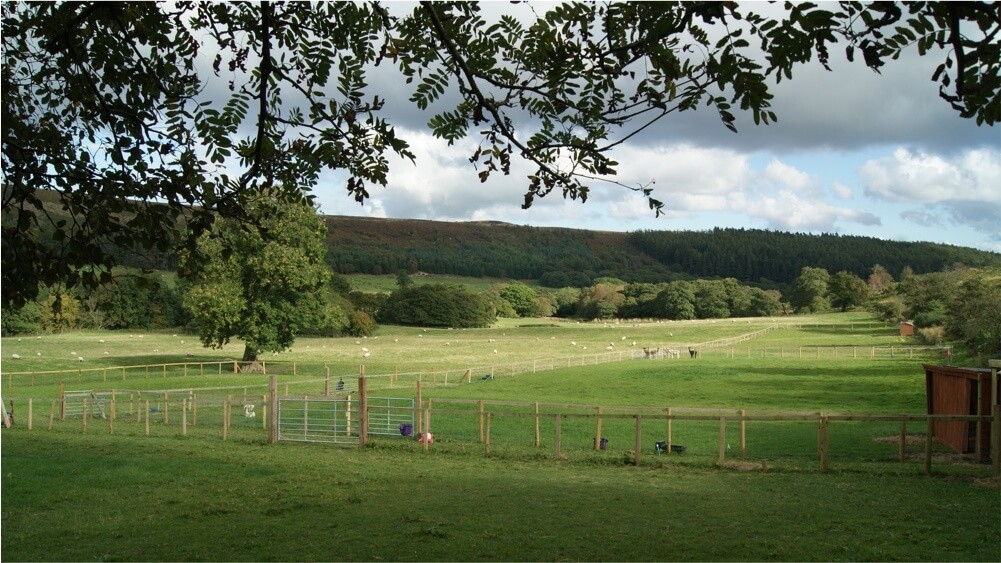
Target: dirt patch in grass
746, 465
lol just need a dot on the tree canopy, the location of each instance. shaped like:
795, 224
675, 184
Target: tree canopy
132, 124
262, 285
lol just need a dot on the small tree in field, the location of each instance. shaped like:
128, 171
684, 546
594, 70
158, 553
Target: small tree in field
848, 290
260, 283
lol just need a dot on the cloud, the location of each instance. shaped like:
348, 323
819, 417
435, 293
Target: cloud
790, 211
927, 178
841, 191
961, 190
788, 177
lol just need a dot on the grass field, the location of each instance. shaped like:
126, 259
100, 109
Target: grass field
75, 495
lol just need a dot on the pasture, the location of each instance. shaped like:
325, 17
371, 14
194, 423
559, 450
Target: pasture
77, 493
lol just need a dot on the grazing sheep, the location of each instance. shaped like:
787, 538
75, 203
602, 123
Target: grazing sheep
623, 338
39, 354
364, 349
72, 353
495, 350
101, 341
15, 356
366, 354
573, 343
79, 358
609, 348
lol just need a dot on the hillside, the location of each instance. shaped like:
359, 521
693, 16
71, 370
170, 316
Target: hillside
558, 257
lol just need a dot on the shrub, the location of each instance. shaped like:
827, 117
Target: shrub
932, 334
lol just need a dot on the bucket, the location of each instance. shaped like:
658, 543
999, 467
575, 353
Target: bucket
604, 443
406, 429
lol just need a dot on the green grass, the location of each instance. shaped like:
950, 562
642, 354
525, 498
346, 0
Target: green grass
75, 495
94, 497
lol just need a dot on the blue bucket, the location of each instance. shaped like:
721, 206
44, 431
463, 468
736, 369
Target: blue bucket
406, 429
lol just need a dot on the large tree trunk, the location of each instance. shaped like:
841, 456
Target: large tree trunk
249, 364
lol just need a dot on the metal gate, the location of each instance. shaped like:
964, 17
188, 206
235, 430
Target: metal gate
336, 421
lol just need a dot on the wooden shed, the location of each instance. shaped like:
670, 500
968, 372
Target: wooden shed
907, 328
966, 391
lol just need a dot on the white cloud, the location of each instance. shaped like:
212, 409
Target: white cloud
788, 210
841, 191
788, 177
919, 177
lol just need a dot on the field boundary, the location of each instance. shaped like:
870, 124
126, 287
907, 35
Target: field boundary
716, 348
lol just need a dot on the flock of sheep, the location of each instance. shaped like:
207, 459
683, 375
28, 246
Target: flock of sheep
648, 353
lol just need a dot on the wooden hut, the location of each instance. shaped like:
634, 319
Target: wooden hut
907, 328
965, 391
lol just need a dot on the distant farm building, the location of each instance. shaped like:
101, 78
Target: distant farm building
964, 391
907, 328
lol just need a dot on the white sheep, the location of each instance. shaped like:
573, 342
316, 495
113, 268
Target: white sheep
15, 356
79, 358
72, 353
609, 348
101, 341
366, 354
495, 350
364, 349
573, 343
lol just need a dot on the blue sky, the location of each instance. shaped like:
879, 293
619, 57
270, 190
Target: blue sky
853, 153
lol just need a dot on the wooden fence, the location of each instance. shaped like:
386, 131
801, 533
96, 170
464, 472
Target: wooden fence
213, 414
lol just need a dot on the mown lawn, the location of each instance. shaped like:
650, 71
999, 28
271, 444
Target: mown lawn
97, 497
75, 495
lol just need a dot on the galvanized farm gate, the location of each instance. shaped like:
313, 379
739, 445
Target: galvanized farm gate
337, 421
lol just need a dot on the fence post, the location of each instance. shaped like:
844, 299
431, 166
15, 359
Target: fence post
273, 407
487, 442
597, 431
722, 440
639, 440
903, 440
52, 413
62, 401
225, 420
670, 421
538, 438
743, 434
147, 417
363, 411
559, 432
166, 408
111, 418
184, 417
823, 443
482, 419
326, 381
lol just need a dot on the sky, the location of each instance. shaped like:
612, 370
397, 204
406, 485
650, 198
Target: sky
853, 152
